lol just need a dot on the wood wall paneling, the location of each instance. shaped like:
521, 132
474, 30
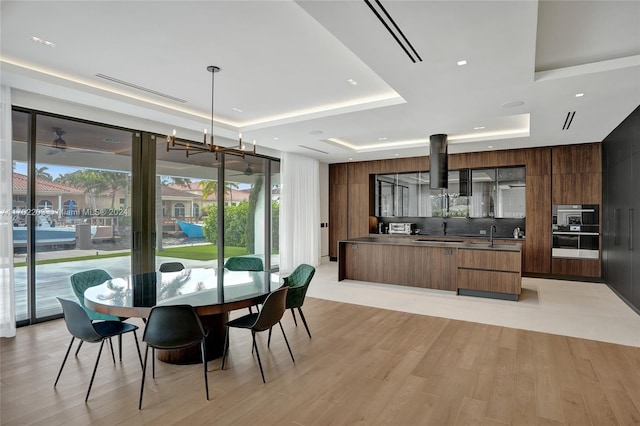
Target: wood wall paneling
337, 217
576, 267
537, 256
580, 166
579, 158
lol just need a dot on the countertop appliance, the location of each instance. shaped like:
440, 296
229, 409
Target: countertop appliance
576, 231
400, 228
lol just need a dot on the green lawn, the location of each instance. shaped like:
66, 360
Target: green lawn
198, 252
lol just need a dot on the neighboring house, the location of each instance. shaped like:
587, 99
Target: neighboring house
59, 202
231, 198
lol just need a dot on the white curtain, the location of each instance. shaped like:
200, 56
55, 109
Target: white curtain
299, 211
7, 291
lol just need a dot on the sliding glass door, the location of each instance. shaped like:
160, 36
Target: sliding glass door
72, 196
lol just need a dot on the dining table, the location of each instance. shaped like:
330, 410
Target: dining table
212, 292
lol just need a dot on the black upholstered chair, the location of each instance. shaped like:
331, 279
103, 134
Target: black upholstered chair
270, 315
81, 327
173, 327
171, 267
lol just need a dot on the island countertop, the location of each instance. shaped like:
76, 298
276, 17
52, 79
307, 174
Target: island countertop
419, 240
469, 267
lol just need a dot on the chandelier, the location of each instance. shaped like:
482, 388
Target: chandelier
193, 148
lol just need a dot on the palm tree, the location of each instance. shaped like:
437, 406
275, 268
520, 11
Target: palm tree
114, 181
41, 173
172, 180
209, 187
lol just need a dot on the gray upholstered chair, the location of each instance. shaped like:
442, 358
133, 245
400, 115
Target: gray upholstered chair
81, 327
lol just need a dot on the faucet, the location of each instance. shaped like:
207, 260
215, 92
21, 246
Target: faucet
493, 229
444, 228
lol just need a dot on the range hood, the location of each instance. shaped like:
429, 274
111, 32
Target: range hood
438, 162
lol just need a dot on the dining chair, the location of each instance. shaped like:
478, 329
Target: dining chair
244, 263
171, 267
173, 327
298, 283
272, 311
80, 281
81, 327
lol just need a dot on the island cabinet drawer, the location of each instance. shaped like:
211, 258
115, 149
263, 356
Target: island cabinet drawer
490, 260
489, 281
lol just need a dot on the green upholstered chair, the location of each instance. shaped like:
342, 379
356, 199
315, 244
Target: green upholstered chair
81, 281
244, 263
298, 283
81, 327
272, 311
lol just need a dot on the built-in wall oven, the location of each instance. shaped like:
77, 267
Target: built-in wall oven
576, 231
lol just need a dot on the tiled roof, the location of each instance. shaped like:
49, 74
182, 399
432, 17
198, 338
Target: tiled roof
20, 184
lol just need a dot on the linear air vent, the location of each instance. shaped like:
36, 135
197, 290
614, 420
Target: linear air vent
144, 89
313, 149
568, 120
396, 32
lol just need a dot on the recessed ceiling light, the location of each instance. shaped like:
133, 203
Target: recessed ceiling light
382, 139
462, 62
579, 95
512, 104
236, 109
276, 139
396, 155
42, 42
478, 128
350, 158
490, 146
352, 82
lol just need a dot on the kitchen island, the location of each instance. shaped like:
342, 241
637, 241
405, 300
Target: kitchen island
474, 268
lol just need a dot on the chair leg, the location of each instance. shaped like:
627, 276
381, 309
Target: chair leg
120, 346
79, 346
269, 340
253, 334
287, 342
226, 348
144, 370
113, 356
153, 363
204, 362
304, 321
65, 360
294, 317
135, 337
95, 368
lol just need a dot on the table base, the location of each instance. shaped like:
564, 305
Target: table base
215, 324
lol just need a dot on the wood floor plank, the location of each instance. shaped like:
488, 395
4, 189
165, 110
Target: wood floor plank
362, 366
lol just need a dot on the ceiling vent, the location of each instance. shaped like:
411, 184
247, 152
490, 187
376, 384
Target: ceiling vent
313, 149
393, 28
438, 162
144, 89
568, 120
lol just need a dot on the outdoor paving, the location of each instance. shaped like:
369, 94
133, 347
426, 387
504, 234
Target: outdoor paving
52, 280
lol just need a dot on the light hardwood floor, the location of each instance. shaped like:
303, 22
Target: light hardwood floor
364, 365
